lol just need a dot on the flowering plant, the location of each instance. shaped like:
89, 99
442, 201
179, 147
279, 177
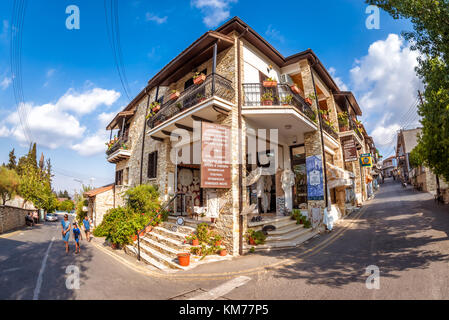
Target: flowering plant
191, 237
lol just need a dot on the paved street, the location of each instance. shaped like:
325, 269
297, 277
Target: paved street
402, 232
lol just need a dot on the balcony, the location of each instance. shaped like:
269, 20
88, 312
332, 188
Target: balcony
119, 150
327, 127
215, 86
282, 95
351, 129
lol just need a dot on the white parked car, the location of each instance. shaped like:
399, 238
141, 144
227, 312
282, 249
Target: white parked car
51, 217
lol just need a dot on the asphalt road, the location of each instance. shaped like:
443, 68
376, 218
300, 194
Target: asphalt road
402, 232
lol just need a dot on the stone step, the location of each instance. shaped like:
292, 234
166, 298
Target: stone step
180, 229
274, 222
282, 244
286, 229
188, 222
168, 241
287, 236
132, 251
170, 234
168, 261
160, 247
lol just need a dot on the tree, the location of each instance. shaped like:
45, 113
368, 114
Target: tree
430, 36
12, 165
9, 182
29, 184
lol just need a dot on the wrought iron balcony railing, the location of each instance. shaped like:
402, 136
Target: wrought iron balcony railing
282, 94
352, 126
329, 128
121, 143
214, 85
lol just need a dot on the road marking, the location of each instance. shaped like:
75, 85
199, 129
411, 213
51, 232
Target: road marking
41, 272
223, 289
11, 270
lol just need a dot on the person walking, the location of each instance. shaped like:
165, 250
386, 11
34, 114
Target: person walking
77, 235
87, 228
65, 224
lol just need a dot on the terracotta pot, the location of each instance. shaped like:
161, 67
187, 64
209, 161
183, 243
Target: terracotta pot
308, 101
267, 103
148, 228
174, 96
157, 108
184, 259
270, 84
134, 237
200, 79
195, 242
223, 252
344, 129
218, 243
201, 100
114, 246
252, 242
295, 89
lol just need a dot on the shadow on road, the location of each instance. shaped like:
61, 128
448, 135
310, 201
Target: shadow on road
401, 230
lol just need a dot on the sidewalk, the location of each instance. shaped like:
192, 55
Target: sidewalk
246, 264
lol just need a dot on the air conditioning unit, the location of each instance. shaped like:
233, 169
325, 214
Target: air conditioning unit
285, 78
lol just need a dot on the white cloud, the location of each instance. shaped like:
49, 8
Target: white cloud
4, 84
338, 80
159, 20
274, 34
386, 85
55, 125
215, 11
86, 102
4, 132
5, 29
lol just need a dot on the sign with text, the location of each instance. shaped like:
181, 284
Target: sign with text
215, 156
350, 150
315, 181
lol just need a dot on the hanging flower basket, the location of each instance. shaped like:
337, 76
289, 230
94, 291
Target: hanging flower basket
270, 83
199, 78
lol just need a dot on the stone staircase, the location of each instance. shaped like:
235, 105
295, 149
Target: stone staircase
287, 234
160, 247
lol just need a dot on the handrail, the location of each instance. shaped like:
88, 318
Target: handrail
152, 220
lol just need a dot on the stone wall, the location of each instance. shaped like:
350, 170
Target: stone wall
12, 218
102, 203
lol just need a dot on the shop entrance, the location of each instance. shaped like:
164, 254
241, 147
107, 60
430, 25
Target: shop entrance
298, 156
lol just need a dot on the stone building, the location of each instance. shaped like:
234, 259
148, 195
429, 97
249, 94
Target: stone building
99, 201
284, 143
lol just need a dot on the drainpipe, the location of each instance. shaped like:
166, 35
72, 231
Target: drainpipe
239, 107
144, 131
214, 68
322, 137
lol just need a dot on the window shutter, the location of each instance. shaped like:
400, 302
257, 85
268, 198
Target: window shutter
152, 165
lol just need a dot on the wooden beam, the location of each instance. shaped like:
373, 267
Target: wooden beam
157, 139
196, 118
181, 126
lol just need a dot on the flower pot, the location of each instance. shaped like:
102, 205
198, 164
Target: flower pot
184, 259
200, 79
174, 96
195, 242
295, 89
218, 243
223, 252
270, 84
267, 103
148, 229
134, 237
344, 129
114, 246
252, 241
201, 100
156, 109
308, 101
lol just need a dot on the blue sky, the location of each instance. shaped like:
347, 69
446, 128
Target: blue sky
63, 69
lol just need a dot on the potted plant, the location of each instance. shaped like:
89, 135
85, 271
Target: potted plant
216, 239
114, 245
156, 106
270, 83
309, 99
255, 237
184, 259
193, 238
222, 251
295, 89
174, 95
200, 97
287, 100
267, 98
343, 121
199, 78
325, 114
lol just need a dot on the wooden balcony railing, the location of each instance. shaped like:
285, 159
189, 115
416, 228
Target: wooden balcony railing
121, 143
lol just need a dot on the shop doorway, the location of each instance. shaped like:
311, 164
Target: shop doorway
298, 157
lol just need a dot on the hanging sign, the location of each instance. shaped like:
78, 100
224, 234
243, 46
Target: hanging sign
315, 181
366, 160
350, 150
215, 156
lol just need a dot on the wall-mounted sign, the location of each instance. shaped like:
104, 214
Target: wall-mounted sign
366, 160
215, 156
315, 181
350, 150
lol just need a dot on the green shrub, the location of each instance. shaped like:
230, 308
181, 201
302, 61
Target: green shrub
143, 199
258, 236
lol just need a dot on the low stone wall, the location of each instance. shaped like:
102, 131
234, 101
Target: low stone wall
12, 218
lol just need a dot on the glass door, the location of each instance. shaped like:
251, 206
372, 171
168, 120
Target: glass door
298, 156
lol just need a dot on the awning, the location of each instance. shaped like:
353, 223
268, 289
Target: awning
117, 121
337, 177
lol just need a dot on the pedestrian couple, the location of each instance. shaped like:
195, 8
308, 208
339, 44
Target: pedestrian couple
66, 227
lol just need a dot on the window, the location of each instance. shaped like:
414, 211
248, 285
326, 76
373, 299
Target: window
152, 165
119, 178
